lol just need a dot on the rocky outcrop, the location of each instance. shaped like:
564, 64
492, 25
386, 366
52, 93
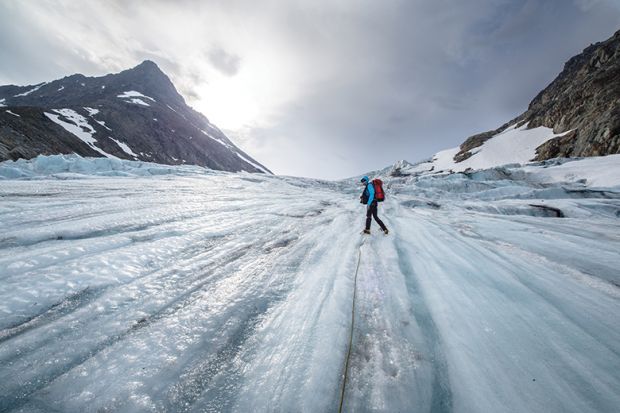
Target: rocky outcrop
136, 114
583, 100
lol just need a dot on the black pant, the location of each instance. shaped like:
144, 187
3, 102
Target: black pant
372, 211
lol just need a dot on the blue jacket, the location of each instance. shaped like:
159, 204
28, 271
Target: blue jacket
371, 192
370, 188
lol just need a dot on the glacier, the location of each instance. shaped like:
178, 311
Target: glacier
135, 287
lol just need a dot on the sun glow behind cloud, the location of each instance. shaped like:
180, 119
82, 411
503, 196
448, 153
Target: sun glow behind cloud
231, 62
229, 103
251, 96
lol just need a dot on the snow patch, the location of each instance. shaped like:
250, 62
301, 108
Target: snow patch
132, 96
37, 87
180, 114
257, 166
91, 111
221, 142
137, 101
78, 126
14, 114
124, 147
60, 88
2, 102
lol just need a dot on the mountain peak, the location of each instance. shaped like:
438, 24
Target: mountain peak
146, 66
151, 79
135, 114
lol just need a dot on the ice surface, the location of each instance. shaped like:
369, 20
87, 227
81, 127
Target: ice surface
74, 166
600, 171
205, 291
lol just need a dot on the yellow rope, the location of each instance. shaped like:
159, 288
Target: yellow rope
346, 364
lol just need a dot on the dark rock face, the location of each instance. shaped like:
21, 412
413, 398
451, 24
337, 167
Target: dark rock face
584, 99
136, 114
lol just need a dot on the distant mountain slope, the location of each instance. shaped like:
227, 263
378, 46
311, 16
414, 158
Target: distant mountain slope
136, 114
513, 145
581, 107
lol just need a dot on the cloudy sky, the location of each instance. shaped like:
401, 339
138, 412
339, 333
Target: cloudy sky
319, 88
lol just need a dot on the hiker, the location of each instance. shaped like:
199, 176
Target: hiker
368, 197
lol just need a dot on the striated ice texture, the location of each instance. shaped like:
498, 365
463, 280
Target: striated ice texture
135, 287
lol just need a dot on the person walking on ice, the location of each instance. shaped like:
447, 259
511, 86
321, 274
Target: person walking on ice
372, 195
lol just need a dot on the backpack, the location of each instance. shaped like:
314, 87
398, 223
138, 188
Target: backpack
379, 193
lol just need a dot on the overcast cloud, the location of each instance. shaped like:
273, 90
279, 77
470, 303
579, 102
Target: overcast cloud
319, 88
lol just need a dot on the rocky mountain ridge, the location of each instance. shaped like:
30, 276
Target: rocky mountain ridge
584, 101
136, 114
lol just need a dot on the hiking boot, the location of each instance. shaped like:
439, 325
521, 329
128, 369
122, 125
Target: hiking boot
366, 231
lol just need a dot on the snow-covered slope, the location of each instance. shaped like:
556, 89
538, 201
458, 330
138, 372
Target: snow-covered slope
202, 291
515, 145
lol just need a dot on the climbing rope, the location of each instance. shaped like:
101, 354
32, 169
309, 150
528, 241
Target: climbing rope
346, 364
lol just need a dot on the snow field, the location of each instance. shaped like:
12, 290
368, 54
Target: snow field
512, 146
